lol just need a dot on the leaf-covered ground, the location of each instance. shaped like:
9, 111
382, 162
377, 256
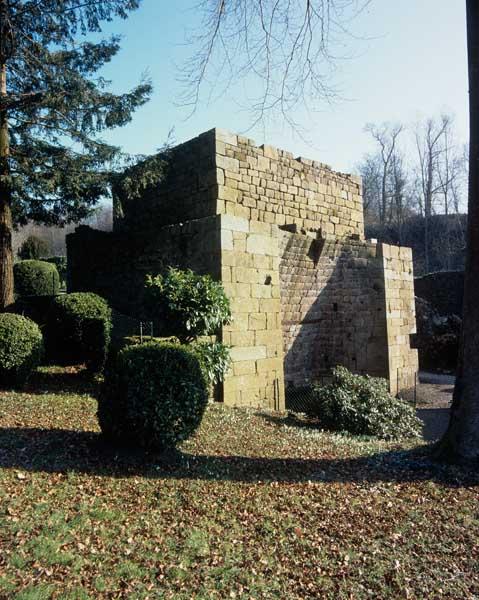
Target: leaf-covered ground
255, 506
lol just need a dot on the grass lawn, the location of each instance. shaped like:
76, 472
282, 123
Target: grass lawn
256, 505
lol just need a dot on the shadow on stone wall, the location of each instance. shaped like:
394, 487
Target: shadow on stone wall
333, 309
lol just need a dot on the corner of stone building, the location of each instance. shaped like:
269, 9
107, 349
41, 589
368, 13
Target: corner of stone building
250, 277
400, 317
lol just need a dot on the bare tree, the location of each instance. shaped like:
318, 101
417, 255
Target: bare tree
430, 139
371, 174
386, 136
400, 200
286, 49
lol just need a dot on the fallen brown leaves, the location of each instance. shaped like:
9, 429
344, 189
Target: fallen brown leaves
255, 506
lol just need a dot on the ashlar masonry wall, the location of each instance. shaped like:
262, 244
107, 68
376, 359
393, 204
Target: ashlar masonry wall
269, 185
250, 276
401, 317
285, 236
333, 301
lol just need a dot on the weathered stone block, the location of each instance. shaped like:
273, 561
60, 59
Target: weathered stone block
240, 353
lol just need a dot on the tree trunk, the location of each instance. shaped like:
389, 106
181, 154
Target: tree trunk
6, 253
461, 441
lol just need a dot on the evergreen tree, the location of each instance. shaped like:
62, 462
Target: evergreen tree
54, 106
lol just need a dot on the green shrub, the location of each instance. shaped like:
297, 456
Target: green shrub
154, 396
21, 349
60, 263
215, 360
35, 278
362, 405
36, 308
33, 248
78, 330
186, 304
214, 357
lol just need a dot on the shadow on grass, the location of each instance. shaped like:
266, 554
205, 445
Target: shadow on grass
61, 451
435, 422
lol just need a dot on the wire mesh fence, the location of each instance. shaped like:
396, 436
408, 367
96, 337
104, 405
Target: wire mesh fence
127, 326
301, 398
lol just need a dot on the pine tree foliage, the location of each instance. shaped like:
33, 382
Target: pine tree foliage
59, 164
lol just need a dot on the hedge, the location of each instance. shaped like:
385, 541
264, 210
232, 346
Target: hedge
35, 278
21, 349
154, 396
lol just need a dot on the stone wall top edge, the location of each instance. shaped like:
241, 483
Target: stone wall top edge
274, 152
384, 244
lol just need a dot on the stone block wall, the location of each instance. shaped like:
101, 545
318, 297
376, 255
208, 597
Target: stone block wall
222, 173
187, 192
241, 254
400, 316
285, 236
265, 184
333, 307
250, 276
115, 264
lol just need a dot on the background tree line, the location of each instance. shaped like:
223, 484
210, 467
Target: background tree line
415, 191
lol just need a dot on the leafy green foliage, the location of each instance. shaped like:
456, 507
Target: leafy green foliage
60, 165
138, 177
78, 330
186, 304
214, 357
21, 349
362, 405
215, 360
35, 278
60, 263
33, 248
154, 396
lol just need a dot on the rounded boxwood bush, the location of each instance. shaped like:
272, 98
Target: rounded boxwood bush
35, 278
154, 396
60, 263
21, 349
78, 330
362, 405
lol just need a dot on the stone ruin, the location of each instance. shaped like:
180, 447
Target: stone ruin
285, 236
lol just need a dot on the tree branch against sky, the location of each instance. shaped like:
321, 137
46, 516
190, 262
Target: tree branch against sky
288, 51
54, 108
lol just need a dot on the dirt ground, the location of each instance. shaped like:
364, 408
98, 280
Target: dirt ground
434, 397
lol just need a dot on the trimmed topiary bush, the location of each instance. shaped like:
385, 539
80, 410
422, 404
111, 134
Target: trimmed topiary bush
362, 405
21, 349
154, 396
60, 263
78, 330
35, 278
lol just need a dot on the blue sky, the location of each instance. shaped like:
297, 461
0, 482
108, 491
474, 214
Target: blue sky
408, 63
